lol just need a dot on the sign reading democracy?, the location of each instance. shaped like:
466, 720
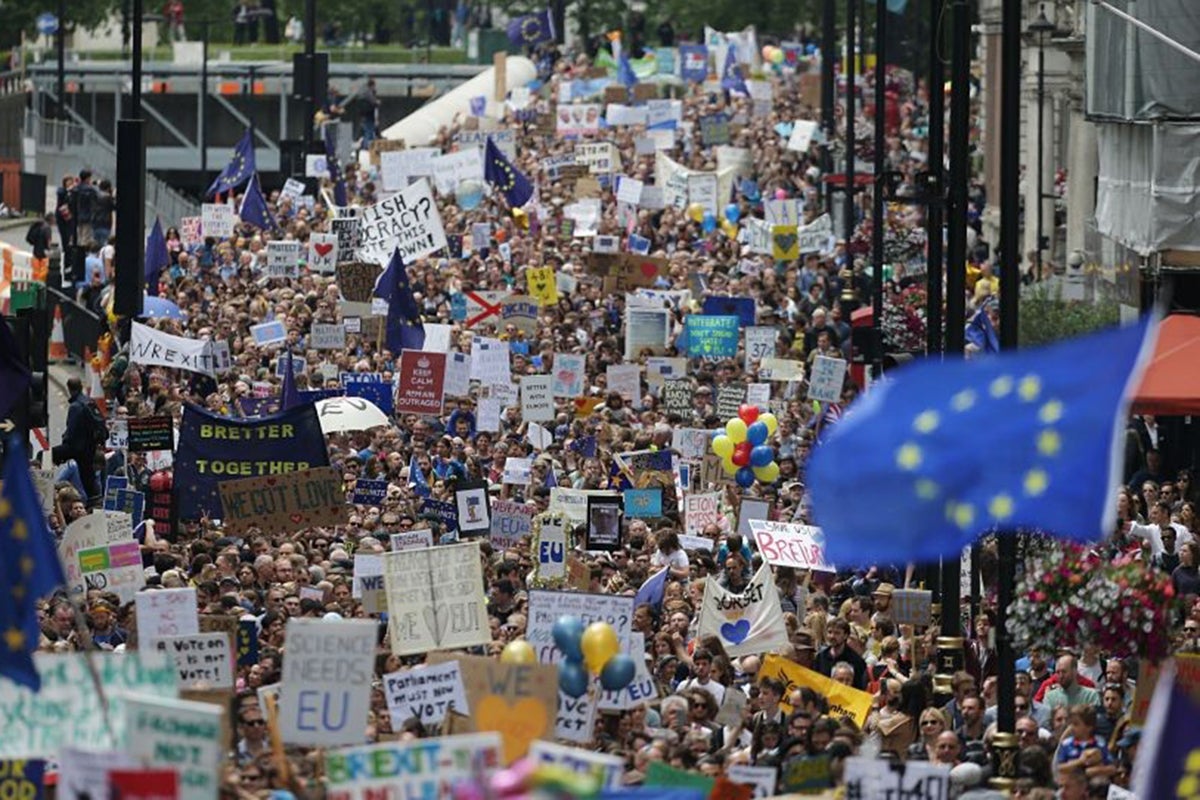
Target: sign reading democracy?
213, 449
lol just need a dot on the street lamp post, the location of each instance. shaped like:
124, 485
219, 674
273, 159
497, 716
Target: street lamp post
1040, 27
848, 199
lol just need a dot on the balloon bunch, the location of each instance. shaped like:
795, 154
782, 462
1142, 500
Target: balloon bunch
743, 449
592, 649
774, 56
707, 220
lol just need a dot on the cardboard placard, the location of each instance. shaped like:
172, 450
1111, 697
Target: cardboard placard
290, 501
356, 280
912, 607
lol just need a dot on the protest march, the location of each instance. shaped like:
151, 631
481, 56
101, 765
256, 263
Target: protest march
541, 459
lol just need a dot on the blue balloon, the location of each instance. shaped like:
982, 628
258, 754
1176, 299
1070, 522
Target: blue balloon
618, 672
733, 212
568, 636
744, 477
762, 455
709, 222
757, 433
572, 678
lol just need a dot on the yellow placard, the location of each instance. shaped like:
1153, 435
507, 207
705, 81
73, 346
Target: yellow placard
541, 285
843, 700
785, 243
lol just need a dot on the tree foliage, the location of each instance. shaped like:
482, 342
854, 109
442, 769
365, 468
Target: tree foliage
1046, 317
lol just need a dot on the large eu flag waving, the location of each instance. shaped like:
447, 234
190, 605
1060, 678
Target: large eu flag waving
29, 567
405, 330
238, 170
947, 450
499, 172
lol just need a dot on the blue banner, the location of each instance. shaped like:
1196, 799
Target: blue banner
313, 395
369, 492
21, 779
259, 406
711, 336
693, 63
741, 307
214, 449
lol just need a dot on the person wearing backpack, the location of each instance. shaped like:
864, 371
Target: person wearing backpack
85, 433
39, 238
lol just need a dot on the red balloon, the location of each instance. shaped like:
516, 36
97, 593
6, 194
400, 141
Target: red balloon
748, 413
741, 454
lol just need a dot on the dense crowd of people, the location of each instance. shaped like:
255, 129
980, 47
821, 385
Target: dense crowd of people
1073, 708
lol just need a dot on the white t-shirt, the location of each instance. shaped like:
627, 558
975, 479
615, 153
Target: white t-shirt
717, 690
677, 560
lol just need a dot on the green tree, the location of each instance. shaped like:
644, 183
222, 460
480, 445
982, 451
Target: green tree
1046, 317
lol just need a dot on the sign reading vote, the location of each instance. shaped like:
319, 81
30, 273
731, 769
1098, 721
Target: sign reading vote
327, 672
292, 501
712, 336
425, 693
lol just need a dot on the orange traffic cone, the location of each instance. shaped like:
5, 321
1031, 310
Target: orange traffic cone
58, 342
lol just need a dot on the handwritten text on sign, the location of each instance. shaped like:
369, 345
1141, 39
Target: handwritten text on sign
546, 607
787, 544
426, 694
408, 221
291, 501
204, 660
327, 673
180, 735
435, 598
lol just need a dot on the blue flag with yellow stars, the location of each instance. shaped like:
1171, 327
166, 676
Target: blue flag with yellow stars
531, 29
947, 450
238, 170
731, 75
254, 210
157, 257
1170, 742
404, 328
504, 176
29, 567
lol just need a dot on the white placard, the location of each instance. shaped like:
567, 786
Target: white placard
490, 362
511, 522
153, 347
217, 220
316, 165
700, 511
408, 220
283, 259
761, 779
537, 398
435, 598
517, 471
328, 336
760, 343
427, 693
177, 734
292, 189
552, 548
410, 540
568, 375
204, 660
629, 190
166, 612
454, 168
802, 134
425, 768
825, 383
789, 544
327, 672
322, 252
702, 189
607, 768
545, 607
874, 777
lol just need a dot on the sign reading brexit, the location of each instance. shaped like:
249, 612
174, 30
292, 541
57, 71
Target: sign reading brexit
214, 449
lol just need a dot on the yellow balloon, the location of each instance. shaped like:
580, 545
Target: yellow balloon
696, 212
729, 467
735, 429
518, 651
599, 644
767, 474
769, 420
722, 446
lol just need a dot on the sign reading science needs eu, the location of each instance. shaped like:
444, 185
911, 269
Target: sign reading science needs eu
214, 449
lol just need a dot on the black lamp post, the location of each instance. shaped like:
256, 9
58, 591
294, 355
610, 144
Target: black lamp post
1040, 28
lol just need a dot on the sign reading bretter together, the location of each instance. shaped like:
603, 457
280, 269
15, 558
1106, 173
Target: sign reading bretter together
290, 501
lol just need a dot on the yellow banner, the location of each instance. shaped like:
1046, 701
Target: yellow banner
844, 701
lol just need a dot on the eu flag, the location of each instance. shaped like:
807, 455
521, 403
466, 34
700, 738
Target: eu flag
157, 257
14, 373
29, 567
946, 450
982, 333
531, 29
289, 396
731, 75
652, 590
416, 478
504, 176
625, 73
238, 170
405, 330
1170, 753
254, 210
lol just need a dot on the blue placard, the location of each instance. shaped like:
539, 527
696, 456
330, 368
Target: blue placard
247, 642
644, 503
21, 778
711, 336
129, 501
369, 492
446, 513
313, 395
214, 449
744, 308
378, 392
458, 307
693, 63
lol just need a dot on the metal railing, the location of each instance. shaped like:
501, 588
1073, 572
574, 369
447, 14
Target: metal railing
65, 146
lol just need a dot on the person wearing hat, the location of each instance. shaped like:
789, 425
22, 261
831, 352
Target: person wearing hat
102, 622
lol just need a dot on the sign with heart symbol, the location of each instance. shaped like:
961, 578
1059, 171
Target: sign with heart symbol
749, 621
518, 701
785, 243
291, 501
542, 285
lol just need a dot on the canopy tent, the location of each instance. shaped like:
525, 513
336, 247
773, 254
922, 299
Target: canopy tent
1171, 383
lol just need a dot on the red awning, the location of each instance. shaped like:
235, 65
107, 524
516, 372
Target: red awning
1171, 383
